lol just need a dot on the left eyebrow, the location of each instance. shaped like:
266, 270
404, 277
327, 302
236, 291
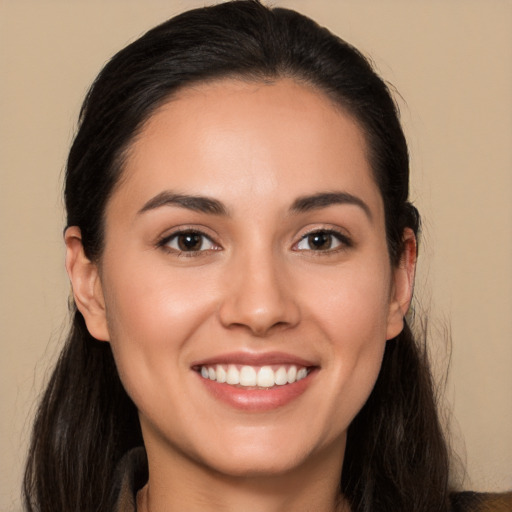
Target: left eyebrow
325, 199
195, 203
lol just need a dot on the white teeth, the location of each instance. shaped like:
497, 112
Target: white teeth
302, 373
233, 375
266, 377
221, 373
249, 376
292, 374
281, 376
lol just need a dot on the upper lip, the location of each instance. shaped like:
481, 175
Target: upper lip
254, 359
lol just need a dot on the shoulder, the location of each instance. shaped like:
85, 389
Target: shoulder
481, 502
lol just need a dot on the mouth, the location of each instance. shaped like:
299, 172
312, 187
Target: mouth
254, 377
256, 382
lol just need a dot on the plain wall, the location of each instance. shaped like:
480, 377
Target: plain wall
451, 62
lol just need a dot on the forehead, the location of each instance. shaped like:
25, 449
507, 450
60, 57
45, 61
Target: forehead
231, 137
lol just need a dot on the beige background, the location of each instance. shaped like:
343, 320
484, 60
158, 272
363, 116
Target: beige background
452, 63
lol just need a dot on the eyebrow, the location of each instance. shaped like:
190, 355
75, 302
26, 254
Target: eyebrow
325, 199
196, 203
213, 206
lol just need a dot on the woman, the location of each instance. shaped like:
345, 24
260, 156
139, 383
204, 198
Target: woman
242, 256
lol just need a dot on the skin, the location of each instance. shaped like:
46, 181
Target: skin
257, 285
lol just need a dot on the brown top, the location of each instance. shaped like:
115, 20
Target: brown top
133, 474
482, 502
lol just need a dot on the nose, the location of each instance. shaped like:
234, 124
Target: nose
258, 296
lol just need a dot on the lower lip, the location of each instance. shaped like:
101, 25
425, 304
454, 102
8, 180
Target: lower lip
257, 400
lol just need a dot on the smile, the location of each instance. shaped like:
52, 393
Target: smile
256, 383
254, 376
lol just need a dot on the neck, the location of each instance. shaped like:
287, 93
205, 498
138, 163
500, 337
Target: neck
186, 485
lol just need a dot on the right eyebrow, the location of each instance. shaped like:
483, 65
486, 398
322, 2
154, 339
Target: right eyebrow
196, 203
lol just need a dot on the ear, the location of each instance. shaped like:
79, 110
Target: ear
403, 285
86, 284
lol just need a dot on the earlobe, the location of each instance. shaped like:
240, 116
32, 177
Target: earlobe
403, 285
86, 284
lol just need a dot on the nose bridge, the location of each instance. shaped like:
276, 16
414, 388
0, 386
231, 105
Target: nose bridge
257, 296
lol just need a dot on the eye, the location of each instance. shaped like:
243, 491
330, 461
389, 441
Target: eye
322, 241
188, 242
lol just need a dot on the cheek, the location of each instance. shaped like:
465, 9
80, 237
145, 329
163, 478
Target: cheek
152, 300
352, 311
351, 303
357, 353
150, 317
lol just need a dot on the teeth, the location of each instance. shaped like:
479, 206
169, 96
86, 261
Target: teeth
266, 377
233, 376
300, 374
249, 376
281, 376
221, 373
292, 374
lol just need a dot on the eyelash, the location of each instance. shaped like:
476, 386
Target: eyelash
165, 242
343, 241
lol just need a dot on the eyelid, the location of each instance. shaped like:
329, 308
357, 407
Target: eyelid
345, 241
163, 241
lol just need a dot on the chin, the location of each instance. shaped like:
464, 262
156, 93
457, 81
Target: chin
259, 465
269, 455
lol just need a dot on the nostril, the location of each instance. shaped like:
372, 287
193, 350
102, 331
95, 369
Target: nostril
259, 321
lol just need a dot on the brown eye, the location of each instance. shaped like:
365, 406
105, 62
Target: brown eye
322, 241
188, 241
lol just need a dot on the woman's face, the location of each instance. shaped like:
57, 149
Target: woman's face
246, 242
